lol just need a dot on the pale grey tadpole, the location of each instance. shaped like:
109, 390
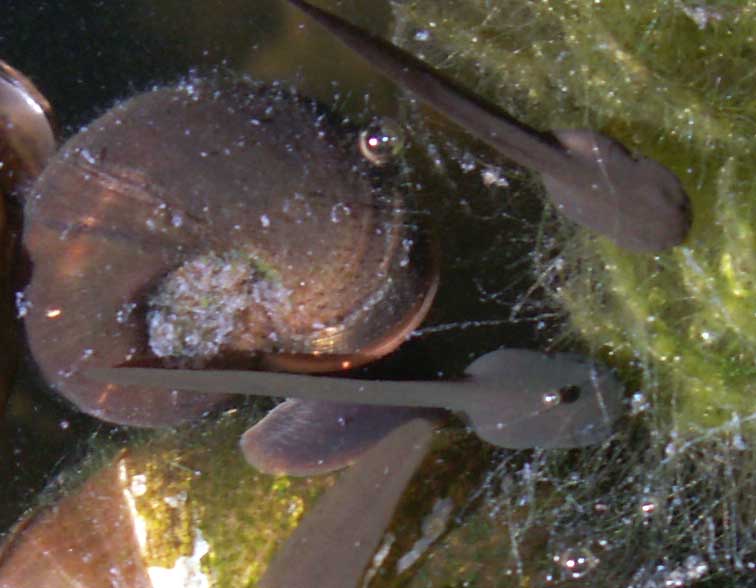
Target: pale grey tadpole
513, 398
592, 179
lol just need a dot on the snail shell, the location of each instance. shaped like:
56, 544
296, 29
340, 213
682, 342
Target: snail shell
215, 222
27, 140
88, 538
27, 136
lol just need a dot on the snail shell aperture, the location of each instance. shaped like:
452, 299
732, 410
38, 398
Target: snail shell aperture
215, 221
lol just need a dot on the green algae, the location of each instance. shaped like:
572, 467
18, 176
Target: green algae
197, 484
191, 486
625, 514
676, 88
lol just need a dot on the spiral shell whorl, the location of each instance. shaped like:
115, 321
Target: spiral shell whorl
211, 177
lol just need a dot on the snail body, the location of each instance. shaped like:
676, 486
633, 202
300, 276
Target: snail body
215, 222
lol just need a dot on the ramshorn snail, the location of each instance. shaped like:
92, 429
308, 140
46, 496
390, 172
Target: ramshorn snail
215, 222
27, 139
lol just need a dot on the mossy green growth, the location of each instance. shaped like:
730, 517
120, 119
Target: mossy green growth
673, 80
196, 484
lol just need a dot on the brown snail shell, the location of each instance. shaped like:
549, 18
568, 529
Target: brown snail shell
88, 538
27, 140
281, 244
27, 137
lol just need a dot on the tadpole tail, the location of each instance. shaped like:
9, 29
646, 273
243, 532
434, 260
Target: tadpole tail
260, 383
514, 139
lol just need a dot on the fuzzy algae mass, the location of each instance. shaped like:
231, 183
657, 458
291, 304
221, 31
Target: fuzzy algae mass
181, 508
676, 82
199, 486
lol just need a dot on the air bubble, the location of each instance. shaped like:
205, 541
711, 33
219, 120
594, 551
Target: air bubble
422, 35
551, 399
695, 567
87, 156
468, 163
381, 141
493, 177
339, 212
123, 313
22, 305
648, 506
639, 403
576, 562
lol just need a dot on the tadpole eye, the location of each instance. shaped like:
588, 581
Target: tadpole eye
564, 395
569, 394
381, 141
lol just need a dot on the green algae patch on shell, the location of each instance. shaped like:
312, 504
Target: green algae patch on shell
471, 513
184, 506
199, 486
176, 507
670, 82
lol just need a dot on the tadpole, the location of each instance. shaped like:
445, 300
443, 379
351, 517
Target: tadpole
512, 397
591, 178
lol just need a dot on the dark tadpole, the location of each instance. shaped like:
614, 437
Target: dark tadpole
592, 179
310, 437
335, 541
513, 398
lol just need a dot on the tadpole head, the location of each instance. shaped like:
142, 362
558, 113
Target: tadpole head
550, 401
311, 437
635, 201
